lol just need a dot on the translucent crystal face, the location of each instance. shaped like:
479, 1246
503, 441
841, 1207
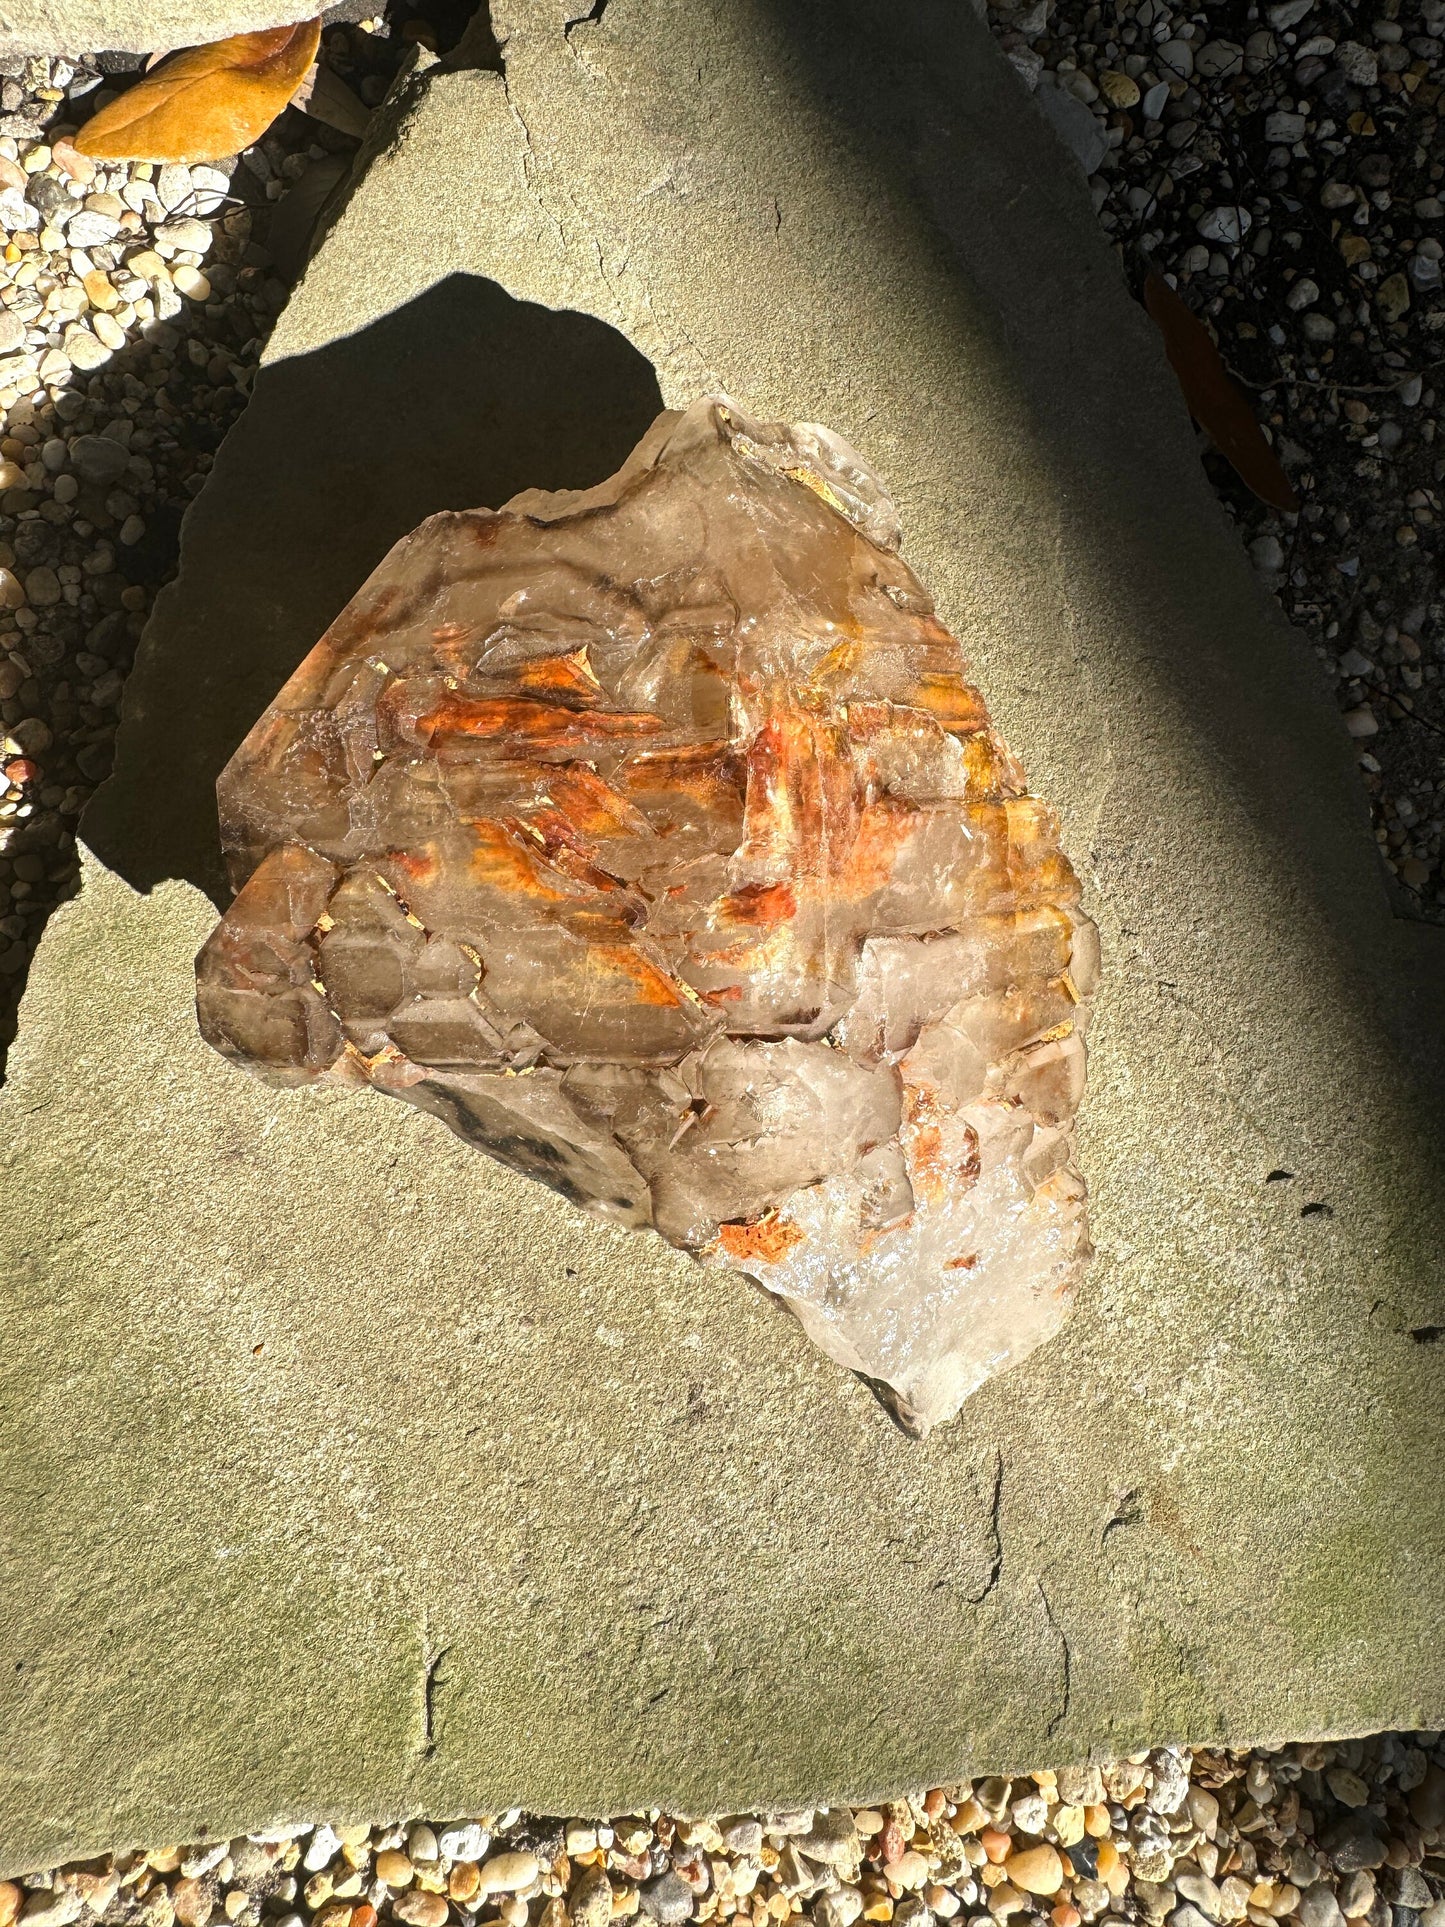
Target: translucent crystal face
654, 839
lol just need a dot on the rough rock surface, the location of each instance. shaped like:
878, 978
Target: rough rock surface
135, 26
653, 838
313, 1437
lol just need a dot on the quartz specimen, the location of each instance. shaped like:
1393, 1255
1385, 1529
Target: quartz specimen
653, 838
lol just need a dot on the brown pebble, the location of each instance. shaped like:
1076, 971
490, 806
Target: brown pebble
192, 1903
72, 162
10, 1899
970, 1817
1036, 1870
590, 1901
164, 1859
99, 292
465, 1882
393, 1867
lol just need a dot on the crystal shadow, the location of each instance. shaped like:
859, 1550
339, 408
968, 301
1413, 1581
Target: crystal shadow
471, 396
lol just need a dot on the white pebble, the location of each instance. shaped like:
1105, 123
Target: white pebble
464, 1842
173, 185
1358, 64
506, 1873
85, 351
1156, 100
1225, 224
1220, 59
189, 234
323, 1846
1282, 129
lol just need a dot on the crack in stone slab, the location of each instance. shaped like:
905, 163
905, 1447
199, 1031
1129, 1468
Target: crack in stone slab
432, 1658
995, 1571
1068, 1663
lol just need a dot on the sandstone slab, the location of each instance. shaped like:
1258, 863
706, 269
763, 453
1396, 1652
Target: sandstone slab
135, 26
347, 1474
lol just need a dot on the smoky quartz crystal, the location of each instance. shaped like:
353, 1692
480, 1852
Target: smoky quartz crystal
653, 837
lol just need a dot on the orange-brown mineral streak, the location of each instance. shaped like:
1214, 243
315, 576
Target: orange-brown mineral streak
577, 797
884, 830
502, 861
542, 726
1023, 831
766, 1242
625, 970
800, 823
569, 675
704, 775
950, 700
762, 905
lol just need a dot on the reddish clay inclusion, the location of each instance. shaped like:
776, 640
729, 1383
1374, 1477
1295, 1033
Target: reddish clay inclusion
653, 838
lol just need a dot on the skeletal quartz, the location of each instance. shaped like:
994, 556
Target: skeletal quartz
653, 838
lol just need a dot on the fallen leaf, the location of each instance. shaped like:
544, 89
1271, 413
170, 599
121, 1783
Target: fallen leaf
1213, 399
205, 103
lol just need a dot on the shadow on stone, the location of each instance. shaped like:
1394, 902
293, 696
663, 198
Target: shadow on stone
457, 400
1266, 754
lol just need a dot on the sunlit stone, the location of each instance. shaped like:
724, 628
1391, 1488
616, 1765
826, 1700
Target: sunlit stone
653, 838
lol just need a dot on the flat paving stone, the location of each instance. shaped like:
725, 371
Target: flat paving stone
348, 1474
135, 26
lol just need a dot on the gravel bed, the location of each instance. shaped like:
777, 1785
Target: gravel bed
1284, 166
1306, 1836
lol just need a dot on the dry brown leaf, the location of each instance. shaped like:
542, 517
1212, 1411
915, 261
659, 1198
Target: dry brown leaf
1212, 398
207, 102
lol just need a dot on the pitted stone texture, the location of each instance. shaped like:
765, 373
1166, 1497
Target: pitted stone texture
653, 837
82, 26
